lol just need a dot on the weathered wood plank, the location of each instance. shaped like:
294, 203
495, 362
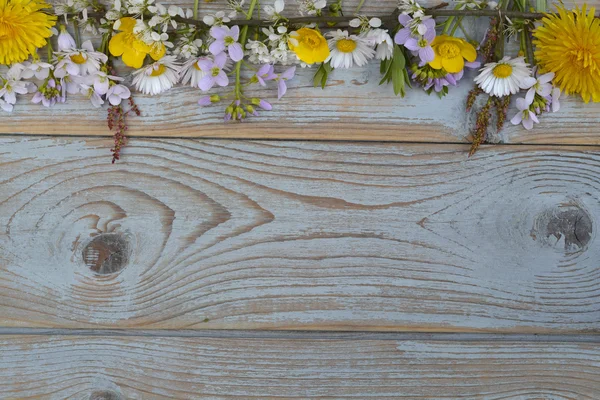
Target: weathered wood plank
230, 235
35, 367
354, 107
237, 234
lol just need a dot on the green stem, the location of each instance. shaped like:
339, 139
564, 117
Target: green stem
456, 25
541, 5
528, 46
50, 50
447, 25
77, 34
196, 7
359, 6
464, 32
243, 37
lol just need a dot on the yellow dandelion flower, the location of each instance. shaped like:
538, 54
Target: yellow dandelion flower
24, 28
132, 49
568, 44
309, 45
451, 52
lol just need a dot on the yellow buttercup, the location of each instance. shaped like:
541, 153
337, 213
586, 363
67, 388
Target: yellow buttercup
130, 47
309, 45
451, 53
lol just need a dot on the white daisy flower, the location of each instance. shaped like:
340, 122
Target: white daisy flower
85, 61
348, 49
157, 77
504, 77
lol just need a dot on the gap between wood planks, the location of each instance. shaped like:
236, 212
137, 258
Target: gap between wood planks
306, 335
297, 140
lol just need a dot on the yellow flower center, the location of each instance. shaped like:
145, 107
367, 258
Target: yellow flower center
448, 50
346, 45
502, 71
78, 58
197, 67
215, 71
158, 71
311, 40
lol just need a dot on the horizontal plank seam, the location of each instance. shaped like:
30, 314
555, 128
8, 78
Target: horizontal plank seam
327, 140
307, 335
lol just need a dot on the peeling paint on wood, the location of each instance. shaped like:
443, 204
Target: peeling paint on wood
158, 368
297, 235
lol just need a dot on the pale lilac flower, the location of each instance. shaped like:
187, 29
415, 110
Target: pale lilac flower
265, 73
525, 115
540, 85
281, 85
265, 105
101, 81
215, 73
39, 69
226, 38
71, 84
413, 27
6, 106
117, 93
13, 85
92, 95
422, 46
49, 94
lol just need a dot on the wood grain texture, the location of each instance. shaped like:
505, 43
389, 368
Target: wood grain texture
354, 107
284, 235
161, 368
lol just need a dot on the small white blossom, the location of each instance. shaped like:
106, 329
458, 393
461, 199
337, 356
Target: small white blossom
311, 7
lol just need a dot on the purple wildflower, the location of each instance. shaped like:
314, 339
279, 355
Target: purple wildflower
408, 30
49, 94
214, 72
265, 73
226, 38
422, 45
281, 85
525, 115
116, 93
265, 105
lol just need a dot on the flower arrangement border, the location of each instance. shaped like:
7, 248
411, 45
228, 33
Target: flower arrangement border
559, 53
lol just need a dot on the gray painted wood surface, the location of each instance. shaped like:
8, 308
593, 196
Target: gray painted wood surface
234, 269
298, 235
158, 368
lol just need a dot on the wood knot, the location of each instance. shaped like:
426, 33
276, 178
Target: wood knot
106, 253
104, 395
568, 226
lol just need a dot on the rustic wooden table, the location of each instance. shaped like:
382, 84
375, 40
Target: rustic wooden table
212, 262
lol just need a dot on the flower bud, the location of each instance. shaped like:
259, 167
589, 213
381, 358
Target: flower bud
204, 101
65, 40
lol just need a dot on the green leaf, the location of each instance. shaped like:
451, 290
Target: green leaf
322, 74
318, 76
399, 75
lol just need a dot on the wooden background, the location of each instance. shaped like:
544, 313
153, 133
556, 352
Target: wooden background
365, 256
